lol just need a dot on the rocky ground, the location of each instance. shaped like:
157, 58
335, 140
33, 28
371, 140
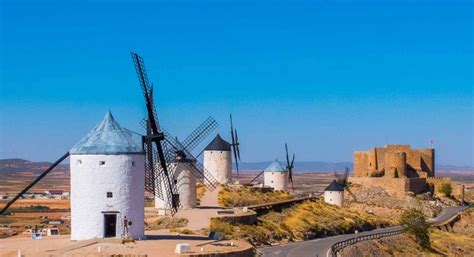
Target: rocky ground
375, 200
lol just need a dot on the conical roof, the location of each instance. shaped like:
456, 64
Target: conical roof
218, 144
108, 137
334, 186
275, 166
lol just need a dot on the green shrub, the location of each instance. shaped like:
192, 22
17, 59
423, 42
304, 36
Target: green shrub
416, 225
446, 189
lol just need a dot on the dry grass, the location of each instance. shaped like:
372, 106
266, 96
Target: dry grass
200, 191
166, 223
469, 196
452, 244
51, 203
245, 196
301, 222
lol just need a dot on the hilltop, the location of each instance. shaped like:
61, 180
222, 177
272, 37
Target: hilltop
15, 165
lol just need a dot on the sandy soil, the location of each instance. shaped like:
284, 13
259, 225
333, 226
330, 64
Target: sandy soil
158, 244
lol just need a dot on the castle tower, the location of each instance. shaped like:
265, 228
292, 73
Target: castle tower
107, 183
276, 176
217, 160
184, 181
395, 164
334, 194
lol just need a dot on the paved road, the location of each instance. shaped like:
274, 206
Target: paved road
320, 247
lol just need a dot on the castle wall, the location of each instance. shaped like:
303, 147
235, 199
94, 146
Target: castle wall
373, 164
393, 186
417, 185
361, 160
423, 160
436, 183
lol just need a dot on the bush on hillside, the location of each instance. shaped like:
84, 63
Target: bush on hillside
446, 189
416, 225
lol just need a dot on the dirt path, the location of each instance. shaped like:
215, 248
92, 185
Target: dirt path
200, 218
210, 198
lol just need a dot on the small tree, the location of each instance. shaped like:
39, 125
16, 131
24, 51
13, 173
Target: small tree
416, 225
446, 189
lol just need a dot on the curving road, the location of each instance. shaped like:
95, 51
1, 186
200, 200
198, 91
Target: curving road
321, 247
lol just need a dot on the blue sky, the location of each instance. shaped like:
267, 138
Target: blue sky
328, 77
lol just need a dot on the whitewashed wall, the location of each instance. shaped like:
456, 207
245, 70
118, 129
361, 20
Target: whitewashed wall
219, 165
334, 197
278, 180
90, 183
186, 188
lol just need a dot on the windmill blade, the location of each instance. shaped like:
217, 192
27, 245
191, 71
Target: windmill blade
44, 173
237, 145
232, 128
287, 157
198, 169
351, 194
258, 175
200, 133
346, 174
235, 149
293, 161
202, 175
155, 136
236, 160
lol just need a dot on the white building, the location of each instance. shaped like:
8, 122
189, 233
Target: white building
184, 180
107, 183
276, 176
218, 161
334, 194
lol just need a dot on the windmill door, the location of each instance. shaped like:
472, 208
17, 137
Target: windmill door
110, 225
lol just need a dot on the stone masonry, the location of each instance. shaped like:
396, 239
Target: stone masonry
394, 161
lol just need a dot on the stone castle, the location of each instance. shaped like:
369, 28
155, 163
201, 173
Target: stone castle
399, 169
394, 161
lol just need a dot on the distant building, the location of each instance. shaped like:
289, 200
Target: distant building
399, 169
218, 161
276, 176
334, 194
55, 222
395, 161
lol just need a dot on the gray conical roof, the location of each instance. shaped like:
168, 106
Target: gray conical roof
275, 166
218, 144
108, 137
334, 186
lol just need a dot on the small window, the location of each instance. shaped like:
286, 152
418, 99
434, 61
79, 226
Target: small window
79, 162
330, 199
102, 163
109, 195
133, 164
175, 181
272, 182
